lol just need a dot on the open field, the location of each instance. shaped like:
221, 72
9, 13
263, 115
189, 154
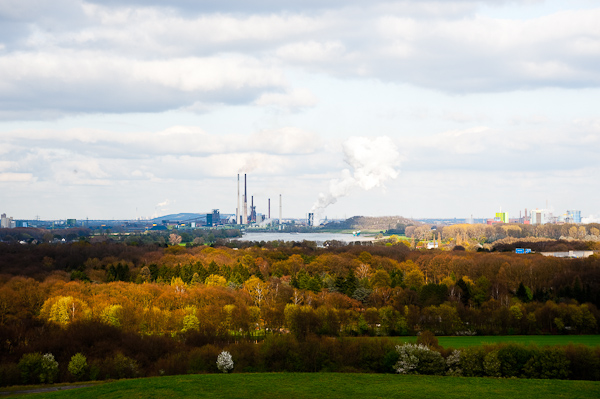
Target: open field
329, 385
540, 340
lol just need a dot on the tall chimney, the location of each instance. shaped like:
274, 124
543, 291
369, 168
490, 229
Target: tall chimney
237, 210
269, 209
245, 217
280, 211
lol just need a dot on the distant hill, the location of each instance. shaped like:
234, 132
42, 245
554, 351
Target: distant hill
375, 223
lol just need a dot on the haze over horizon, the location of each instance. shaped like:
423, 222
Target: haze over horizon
448, 108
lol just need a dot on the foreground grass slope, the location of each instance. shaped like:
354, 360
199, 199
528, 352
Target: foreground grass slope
329, 385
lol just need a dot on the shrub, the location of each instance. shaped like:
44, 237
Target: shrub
472, 361
453, 364
492, 365
246, 356
419, 359
49, 369
281, 353
30, 366
513, 358
428, 339
124, 367
547, 362
9, 374
224, 361
584, 362
203, 359
174, 364
78, 366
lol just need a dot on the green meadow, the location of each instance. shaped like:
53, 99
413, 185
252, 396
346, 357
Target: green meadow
328, 385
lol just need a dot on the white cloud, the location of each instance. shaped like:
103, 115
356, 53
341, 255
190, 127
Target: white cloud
16, 177
97, 82
292, 100
148, 59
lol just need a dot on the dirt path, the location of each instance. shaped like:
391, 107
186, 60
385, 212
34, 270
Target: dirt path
40, 390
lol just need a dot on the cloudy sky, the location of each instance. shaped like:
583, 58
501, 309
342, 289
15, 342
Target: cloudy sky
447, 108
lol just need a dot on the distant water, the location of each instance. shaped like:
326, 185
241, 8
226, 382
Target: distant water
318, 237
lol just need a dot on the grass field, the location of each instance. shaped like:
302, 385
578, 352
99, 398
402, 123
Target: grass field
329, 386
540, 340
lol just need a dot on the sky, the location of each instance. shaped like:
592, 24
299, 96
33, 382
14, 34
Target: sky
426, 109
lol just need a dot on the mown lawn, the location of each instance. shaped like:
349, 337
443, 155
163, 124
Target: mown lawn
329, 385
539, 340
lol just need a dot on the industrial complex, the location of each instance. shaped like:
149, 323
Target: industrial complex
246, 216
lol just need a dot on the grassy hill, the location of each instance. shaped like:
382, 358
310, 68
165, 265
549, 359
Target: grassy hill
329, 386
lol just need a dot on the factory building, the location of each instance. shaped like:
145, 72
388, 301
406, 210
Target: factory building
573, 217
245, 216
7, 222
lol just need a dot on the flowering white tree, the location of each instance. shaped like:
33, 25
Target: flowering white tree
408, 360
48, 368
419, 359
453, 364
224, 361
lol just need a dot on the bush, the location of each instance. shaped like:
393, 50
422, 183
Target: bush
202, 360
419, 359
547, 362
281, 353
513, 358
30, 366
49, 369
124, 367
428, 339
472, 361
173, 364
453, 364
78, 366
9, 374
246, 356
491, 364
584, 362
224, 361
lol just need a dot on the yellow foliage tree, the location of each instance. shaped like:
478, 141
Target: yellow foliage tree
64, 309
112, 315
214, 280
257, 289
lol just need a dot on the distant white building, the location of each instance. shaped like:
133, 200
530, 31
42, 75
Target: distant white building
5, 223
432, 245
540, 216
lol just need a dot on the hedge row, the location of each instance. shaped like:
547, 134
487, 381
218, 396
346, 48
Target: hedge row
279, 353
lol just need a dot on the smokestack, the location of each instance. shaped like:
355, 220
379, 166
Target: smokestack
280, 211
269, 209
245, 217
237, 210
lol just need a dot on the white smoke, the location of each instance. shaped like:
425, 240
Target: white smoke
590, 219
160, 208
371, 161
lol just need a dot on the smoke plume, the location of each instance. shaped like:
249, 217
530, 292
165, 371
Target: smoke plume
371, 161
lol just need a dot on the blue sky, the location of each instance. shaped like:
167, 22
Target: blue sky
124, 109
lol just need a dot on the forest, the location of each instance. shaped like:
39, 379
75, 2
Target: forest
148, 305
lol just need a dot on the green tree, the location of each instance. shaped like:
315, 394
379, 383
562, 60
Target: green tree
78, 366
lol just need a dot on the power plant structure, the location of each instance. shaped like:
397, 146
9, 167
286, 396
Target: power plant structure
245, 218
252, 210
245, 215
237, 210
